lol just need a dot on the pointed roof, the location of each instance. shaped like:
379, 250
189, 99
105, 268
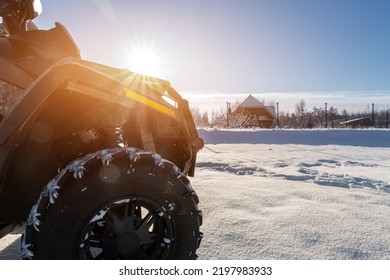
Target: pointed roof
272, 110
251, 102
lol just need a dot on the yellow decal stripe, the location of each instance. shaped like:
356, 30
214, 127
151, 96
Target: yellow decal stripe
149, 102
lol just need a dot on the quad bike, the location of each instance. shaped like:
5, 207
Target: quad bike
95, 159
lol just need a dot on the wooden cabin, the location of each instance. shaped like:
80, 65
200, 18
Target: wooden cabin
257, 114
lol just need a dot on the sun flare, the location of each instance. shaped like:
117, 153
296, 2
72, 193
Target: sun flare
145, 61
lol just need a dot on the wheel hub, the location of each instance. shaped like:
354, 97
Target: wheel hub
126, 228
128, 243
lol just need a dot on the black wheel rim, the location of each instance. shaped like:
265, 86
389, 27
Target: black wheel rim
126, 228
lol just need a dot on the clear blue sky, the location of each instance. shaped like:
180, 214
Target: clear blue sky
241, 45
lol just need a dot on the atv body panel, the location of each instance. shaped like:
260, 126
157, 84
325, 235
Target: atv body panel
64, 107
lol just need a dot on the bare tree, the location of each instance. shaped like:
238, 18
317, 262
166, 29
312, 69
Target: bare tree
218, 118
300, 110
205, 119
195, 112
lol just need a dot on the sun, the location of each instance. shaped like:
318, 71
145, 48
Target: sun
146, 61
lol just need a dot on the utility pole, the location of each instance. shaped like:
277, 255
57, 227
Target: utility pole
326, 115
227, 114
373, 115
387, 118
277, 114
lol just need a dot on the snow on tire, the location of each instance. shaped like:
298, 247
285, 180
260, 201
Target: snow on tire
121, 203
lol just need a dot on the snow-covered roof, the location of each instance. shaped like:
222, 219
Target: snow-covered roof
356, 120
251, 102
272, 110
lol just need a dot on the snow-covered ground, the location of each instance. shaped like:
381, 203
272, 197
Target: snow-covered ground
289, 194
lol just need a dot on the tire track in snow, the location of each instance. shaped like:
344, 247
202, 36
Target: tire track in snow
306, 172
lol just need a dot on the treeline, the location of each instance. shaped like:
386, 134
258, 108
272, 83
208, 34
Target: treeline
317, 117
322, 117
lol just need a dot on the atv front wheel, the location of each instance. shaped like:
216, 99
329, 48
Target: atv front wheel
119, 203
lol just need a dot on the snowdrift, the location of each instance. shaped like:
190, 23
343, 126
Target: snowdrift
289, 194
